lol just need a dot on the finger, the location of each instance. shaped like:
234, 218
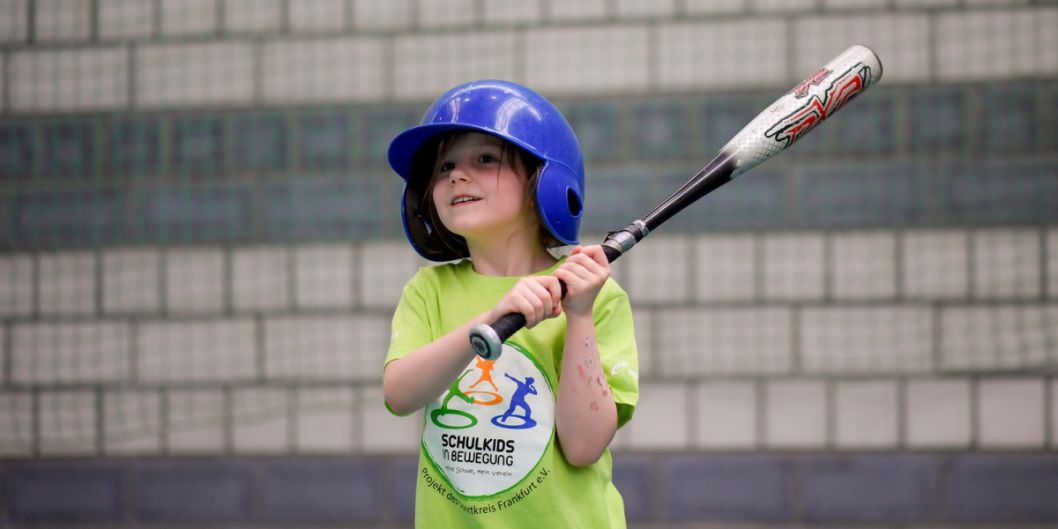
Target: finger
542, 295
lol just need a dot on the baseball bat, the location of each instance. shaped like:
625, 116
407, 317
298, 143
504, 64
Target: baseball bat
775, 129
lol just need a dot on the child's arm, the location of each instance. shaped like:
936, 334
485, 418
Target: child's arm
586, 414
411, 382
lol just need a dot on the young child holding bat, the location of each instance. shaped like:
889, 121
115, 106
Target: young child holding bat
494, 183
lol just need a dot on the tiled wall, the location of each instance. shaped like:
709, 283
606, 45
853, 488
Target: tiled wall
200, 251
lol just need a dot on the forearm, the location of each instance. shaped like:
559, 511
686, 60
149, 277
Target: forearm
411, 382
586, 414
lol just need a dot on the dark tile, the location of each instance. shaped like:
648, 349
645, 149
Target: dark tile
207, 212
863, 194
16, 151
866, 126
402, 498
727, 487
261, 142
937, 120
333, 207
633, 477
661, 130
1009, 118
381, 125
134, 146
323, 490
197, 145
1000, 191
1004, 488
895, 488
598, 129
326, 140
68, 492
69, 218
69, 149
193, 490
754, 200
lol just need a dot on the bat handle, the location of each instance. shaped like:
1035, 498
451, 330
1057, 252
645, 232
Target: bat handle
487, 340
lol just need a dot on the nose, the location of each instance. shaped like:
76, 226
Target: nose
458, 174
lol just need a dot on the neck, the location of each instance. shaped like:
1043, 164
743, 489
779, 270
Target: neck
518, 254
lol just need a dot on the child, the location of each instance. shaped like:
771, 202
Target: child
494, 179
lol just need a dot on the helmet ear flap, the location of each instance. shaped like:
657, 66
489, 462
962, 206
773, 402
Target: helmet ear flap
560, 202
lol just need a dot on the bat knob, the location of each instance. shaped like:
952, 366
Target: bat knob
485, 341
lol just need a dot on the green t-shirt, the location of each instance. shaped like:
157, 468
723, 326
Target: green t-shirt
489, 454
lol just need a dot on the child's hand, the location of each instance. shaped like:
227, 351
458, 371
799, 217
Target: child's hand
535, 297
584, 273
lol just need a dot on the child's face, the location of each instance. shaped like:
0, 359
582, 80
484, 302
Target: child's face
477, 193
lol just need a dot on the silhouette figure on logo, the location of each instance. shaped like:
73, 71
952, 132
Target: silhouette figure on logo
486, 367
454, 391
525, 387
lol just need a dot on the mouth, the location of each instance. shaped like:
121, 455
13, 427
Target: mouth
463, 199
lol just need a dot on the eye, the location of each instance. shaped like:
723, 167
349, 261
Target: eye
446, 167
488, 158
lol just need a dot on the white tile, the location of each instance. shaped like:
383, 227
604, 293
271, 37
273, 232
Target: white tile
867, 415
1052, 264
795, 415
16, 285
898, 39
1010, 413
725, 268
324, 420
383, 14
426, 65
996, 44
385, 268
195, 422
68, 79
188, 17
863, 265
645, 8
131, 281
714, 7
126, 19
316, 15
326, 347
252, 16
68, 423
579, 10
14, 21
793, 267
507, 12
783, 6
322, 70
739, 53
724, 341
1006, 264
993, 337
194, 74
938, 413
447, 13
63, 20
16, 424
383, 432
132, 422
323, 276
197, 351
660, 420
935, 264
643, 321
924, 3
260, 421
660, 275
66, 283
47, 353
726, 415
594, 60
194, 280
260, 278
867, 340
976, 3
854, 4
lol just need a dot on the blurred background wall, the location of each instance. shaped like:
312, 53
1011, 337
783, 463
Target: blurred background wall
200, 250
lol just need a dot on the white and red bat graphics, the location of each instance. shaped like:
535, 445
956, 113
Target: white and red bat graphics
784, 122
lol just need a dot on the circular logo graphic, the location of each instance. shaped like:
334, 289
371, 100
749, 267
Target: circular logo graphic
492, 426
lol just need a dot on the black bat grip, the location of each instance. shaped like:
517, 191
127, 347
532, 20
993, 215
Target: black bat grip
487, 340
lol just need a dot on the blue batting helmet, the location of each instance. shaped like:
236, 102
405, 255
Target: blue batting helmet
519, 116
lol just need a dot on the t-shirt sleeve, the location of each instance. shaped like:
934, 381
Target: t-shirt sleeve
410, 328
615, 335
